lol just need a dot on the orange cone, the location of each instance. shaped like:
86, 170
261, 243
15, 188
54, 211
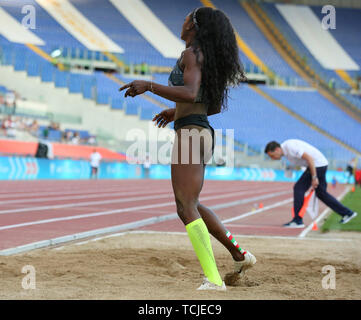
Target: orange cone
261, 205
353, 189
314, 227
304, 207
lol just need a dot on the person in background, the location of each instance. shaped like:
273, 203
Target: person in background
75, 139
301, 153
45, 148
95, 159
34, 127
334, 182
144, 69
351, 166
2, 104
92, 140
146, 167
10, 101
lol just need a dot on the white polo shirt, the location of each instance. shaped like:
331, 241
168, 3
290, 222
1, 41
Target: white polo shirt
293, 150
95, 158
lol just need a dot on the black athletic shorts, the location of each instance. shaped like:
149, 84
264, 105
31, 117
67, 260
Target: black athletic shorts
200, 120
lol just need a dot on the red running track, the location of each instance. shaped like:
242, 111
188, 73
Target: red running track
33, 211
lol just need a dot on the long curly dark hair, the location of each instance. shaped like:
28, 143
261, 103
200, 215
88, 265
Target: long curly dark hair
221, 67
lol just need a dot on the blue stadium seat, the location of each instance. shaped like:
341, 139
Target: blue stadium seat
61, 79
321, 112
356, 101
249, 114
33, 68
75, 82
103, 97
3, 89
117, 103
19, 64
47, 73
131, 108
54, 135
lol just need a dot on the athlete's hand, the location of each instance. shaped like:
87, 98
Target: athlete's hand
315, 183
163, 118
135, 88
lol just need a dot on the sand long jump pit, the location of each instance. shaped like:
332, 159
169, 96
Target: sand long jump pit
153, 266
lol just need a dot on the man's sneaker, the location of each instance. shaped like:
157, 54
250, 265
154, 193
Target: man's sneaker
294, 224
207, 285
248, 262
348, 218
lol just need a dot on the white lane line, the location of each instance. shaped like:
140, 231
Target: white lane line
88, 203
83, 204
100, 238
62, 186
131, 225
66, 191
101, 188
323, 214
85, 189
258, 226
83, 216
250, 213
13, 196
88, 196
63, 196
137, 208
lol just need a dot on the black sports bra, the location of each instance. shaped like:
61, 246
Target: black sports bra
176, 79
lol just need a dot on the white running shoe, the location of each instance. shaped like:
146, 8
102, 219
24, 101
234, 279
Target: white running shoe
248, 262
207, 285
346, 219
294, 224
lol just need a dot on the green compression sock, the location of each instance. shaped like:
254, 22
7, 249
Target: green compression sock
199, 236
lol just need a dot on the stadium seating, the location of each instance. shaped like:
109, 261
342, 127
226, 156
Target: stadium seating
47, 28
248, 113
348, 24
3, 89
356, 101
248, 31
257, 121
122, 32
319, 111
83, 134
297, 44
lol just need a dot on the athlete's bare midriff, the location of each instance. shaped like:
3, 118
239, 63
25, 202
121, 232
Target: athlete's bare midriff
184, 109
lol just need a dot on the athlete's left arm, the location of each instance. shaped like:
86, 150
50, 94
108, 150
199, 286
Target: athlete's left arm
187, 93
